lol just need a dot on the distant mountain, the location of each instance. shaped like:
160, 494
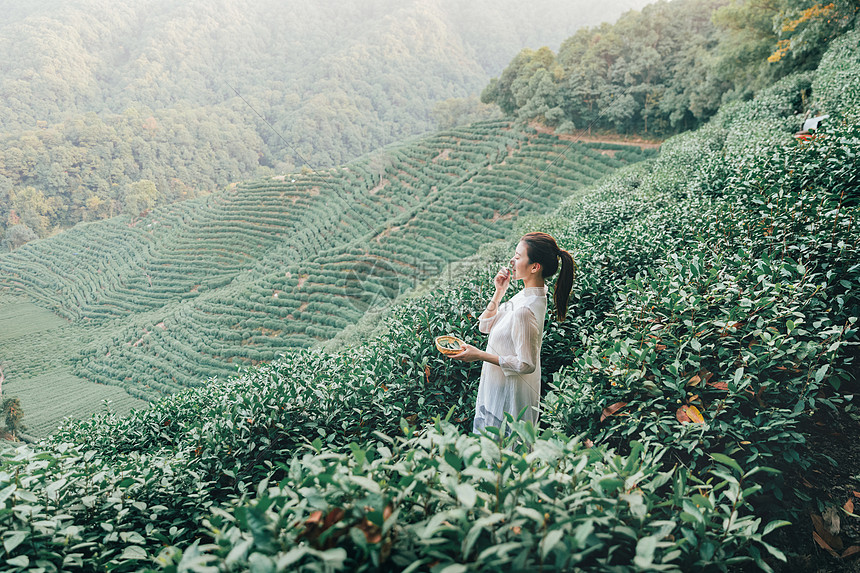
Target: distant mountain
66, 58
99, 95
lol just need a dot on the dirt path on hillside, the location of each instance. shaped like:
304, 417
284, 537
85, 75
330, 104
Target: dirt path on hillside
585, 138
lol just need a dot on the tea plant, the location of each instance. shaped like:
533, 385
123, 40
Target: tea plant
442, 499
239, 277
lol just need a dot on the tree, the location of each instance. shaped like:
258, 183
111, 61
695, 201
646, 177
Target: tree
18, 235
139, 197
540, 99
461, 111
806, 28
766, 39
5, 199
638, 74
92, 208
33, 209
619, 109
511, 91
13, 414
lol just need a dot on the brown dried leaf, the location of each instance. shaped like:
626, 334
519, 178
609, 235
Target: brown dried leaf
849, 506
694, 415
689, 414
832, 541
853, 550
694, 381
611, 410
374, 537
759, 399
333, 517
823, 544
371, 532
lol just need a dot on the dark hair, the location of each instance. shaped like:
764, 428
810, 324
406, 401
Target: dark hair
542, 249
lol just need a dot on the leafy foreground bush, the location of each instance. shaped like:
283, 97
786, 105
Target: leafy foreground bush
837, 81
455, 502
747, 332
432, 498
714, 315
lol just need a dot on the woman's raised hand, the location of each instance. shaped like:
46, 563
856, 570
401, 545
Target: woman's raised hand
503, 279
468, 353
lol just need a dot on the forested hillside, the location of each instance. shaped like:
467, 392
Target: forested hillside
698, 408
113, 107
669, 67
699, 413
161, 302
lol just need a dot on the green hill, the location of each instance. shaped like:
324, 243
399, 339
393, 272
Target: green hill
710, 355
669, 67
183, 96
699, 410
194, 290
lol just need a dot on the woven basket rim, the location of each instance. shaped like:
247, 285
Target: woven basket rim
447, 338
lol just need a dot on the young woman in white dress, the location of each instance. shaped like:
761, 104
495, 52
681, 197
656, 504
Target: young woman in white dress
510, 377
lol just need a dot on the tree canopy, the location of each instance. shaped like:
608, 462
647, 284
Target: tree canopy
669, 67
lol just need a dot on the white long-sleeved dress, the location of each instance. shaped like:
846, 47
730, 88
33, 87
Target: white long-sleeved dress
516, 333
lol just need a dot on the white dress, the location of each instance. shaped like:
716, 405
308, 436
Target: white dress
516, 333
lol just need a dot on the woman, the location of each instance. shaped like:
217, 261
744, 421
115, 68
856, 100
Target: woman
510, 378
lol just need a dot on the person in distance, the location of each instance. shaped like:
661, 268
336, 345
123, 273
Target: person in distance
510, 377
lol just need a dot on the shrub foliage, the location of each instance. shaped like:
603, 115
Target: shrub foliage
715, 314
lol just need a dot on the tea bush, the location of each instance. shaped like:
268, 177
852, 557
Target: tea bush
714, 313
434, 496
753, 323
454, 502
837, 81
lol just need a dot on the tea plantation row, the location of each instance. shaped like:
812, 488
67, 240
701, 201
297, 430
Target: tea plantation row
193, 290
715, 314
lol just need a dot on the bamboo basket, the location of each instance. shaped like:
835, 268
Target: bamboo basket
448, 345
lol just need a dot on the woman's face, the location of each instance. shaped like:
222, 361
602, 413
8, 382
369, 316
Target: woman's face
520, 264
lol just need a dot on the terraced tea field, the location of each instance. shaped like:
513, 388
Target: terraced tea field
197, 289
37, 350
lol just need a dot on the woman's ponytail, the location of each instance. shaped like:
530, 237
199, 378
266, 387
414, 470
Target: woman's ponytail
543, 249
564, 284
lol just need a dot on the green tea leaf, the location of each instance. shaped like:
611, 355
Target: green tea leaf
550, 541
